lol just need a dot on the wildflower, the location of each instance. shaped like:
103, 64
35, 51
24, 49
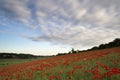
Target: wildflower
77, 67
115, 71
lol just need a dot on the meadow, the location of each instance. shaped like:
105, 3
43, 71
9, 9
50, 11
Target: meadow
91, 65
7, 62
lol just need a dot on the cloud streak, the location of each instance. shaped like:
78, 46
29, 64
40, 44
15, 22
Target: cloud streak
77, 23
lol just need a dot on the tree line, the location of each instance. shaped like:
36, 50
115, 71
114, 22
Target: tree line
114, 43
15, 55
19, 56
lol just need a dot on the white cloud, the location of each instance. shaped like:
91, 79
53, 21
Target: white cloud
80, 13
19, 8
40, 14
77, 23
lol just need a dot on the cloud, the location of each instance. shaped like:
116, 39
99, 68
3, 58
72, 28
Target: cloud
77, 23
15, 8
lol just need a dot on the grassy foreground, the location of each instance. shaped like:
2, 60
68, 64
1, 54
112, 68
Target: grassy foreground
92, 65
7, 62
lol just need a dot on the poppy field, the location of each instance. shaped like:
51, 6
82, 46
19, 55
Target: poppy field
91, 65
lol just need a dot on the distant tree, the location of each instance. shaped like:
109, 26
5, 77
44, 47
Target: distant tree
15, 55
73, 51
114, 43
117, 42
69, 52
102, 46
94, 48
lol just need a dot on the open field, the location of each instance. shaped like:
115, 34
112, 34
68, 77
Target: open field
92, 65
7, 62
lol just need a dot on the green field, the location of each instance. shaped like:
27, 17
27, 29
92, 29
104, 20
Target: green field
7, 62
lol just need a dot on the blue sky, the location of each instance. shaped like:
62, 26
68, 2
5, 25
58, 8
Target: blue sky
48, 27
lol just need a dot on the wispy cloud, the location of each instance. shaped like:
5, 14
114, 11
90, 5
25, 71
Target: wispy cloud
75, 23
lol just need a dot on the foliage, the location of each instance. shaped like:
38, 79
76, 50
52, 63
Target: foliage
19, 56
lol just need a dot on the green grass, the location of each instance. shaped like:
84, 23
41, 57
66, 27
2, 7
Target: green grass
7, 62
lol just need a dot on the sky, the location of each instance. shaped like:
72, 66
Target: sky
48, 27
